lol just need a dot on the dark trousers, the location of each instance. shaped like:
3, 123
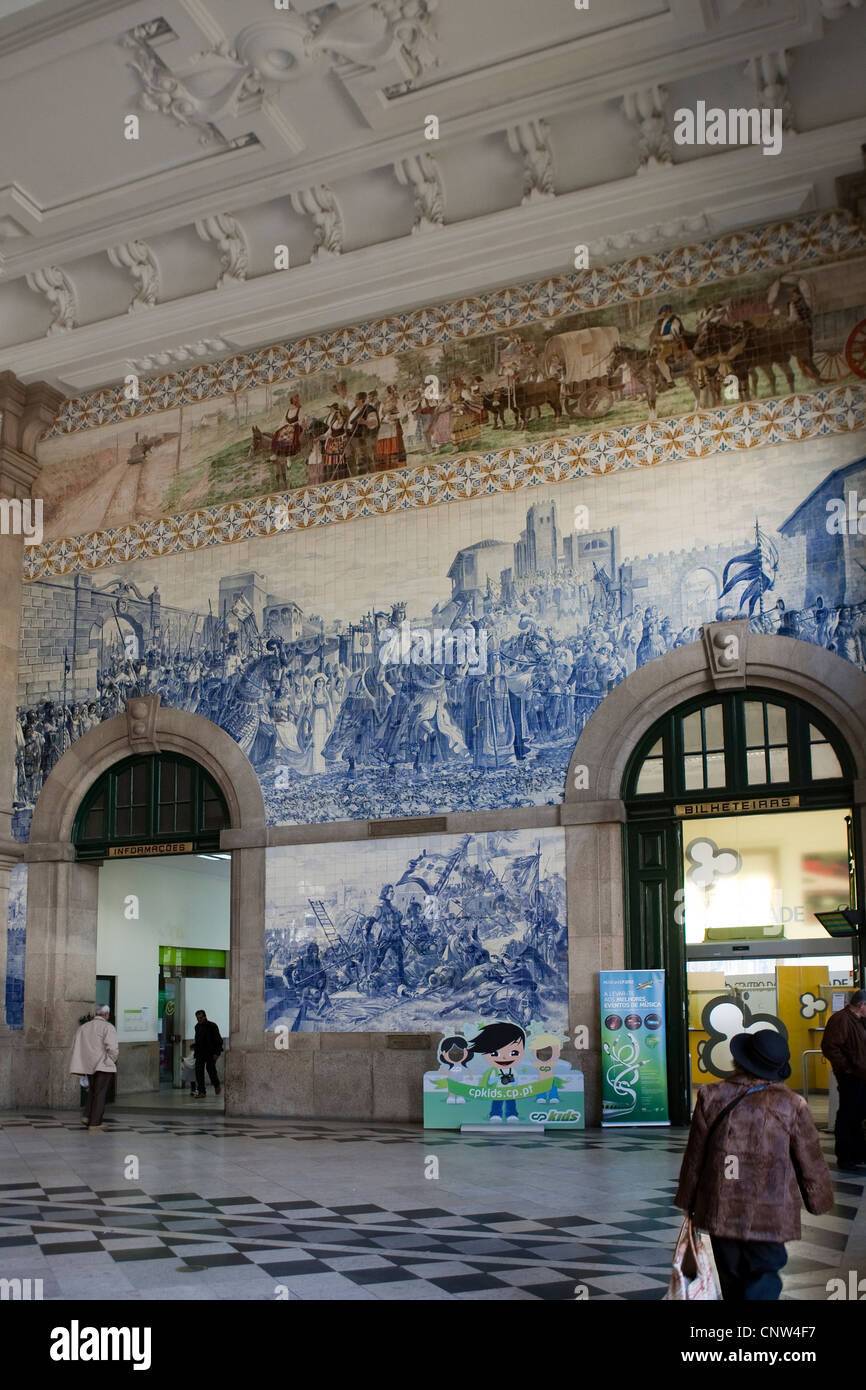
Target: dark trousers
97, 1092
749, 1269
200, 1064
850, 1140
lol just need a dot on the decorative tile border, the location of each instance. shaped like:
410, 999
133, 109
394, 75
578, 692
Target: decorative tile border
748, 425
816, 238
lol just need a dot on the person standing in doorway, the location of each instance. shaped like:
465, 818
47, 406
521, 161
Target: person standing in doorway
844, 1046
207, 1047
743, 1178
94, 1055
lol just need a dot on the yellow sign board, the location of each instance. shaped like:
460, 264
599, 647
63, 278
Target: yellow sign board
137, 851
738, 807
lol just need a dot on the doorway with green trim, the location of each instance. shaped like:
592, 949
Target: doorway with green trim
152, 823
740, 864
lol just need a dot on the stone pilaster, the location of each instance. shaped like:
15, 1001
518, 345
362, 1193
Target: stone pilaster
25, 411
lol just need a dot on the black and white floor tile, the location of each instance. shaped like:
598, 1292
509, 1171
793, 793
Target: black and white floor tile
266, 1209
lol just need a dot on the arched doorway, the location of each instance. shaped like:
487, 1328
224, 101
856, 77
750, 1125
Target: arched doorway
153, 824
62, 889
594, 812
740, 826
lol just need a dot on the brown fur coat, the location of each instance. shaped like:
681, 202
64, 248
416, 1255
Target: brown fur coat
773, 1138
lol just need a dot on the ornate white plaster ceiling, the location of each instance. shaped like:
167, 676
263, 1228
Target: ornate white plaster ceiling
297, 124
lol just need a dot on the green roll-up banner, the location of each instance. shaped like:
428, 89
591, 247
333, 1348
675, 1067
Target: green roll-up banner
633, 1047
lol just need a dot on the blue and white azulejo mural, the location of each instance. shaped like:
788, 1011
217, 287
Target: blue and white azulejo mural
417, 934
448, 660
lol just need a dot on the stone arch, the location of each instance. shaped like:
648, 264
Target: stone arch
593, 813
173, 731
62, 892
833, 686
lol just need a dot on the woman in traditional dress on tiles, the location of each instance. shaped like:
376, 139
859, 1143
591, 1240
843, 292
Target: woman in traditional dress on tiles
287, 712
335, 439
286, 441
440, 434
390, 448
319, 713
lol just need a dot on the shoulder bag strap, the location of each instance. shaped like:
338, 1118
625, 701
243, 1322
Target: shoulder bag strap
712, 1129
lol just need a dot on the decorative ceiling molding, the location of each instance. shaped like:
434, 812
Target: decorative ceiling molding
229, 236
655, 235
321, 205
186, 352
213, 86
58, 289
531, 140
138, 259
559, 79
769, 74
647, 109
234, 79
421, 173
733, 189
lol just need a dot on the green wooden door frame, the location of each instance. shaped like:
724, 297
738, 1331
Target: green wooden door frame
652, 853
652, 843
154, 779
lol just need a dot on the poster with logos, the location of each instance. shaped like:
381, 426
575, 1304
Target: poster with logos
499, 1074
633, 1046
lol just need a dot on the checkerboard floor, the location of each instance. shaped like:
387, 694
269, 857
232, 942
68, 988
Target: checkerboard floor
159, 1207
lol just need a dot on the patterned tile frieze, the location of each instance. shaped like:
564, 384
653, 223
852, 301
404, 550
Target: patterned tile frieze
813, 239
783, 420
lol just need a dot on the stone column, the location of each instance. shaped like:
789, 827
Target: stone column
25, 411
596, 941
62, 900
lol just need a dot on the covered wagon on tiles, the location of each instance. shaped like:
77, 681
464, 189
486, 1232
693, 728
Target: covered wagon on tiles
581, 359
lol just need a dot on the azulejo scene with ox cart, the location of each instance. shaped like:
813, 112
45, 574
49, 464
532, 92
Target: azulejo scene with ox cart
765, 317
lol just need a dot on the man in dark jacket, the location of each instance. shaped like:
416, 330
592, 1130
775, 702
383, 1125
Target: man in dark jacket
844, 1046
744, 1186
207, 1047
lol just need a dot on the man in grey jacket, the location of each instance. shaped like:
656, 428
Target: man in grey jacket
94, 1055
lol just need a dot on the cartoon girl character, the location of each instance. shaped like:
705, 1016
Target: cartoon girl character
454, 1053
502, 1045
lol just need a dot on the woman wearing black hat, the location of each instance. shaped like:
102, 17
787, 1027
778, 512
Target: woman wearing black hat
753, 1153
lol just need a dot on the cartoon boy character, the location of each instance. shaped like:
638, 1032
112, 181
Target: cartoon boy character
454, 1053
502, 1045
545, 1049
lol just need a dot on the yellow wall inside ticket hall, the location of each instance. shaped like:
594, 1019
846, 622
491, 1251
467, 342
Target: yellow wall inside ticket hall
703, 985
792, 981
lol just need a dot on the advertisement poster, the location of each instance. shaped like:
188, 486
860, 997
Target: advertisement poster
498, 1074
633, 1046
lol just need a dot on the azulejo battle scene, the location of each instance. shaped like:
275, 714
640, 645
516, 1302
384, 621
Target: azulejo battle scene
697, 346
410, 934
326, 676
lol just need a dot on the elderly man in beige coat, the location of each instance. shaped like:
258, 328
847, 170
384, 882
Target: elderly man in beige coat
94, 1055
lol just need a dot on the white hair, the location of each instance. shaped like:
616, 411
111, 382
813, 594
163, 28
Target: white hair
103, 1009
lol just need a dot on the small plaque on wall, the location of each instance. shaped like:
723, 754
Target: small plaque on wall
410, 825
409, 1042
